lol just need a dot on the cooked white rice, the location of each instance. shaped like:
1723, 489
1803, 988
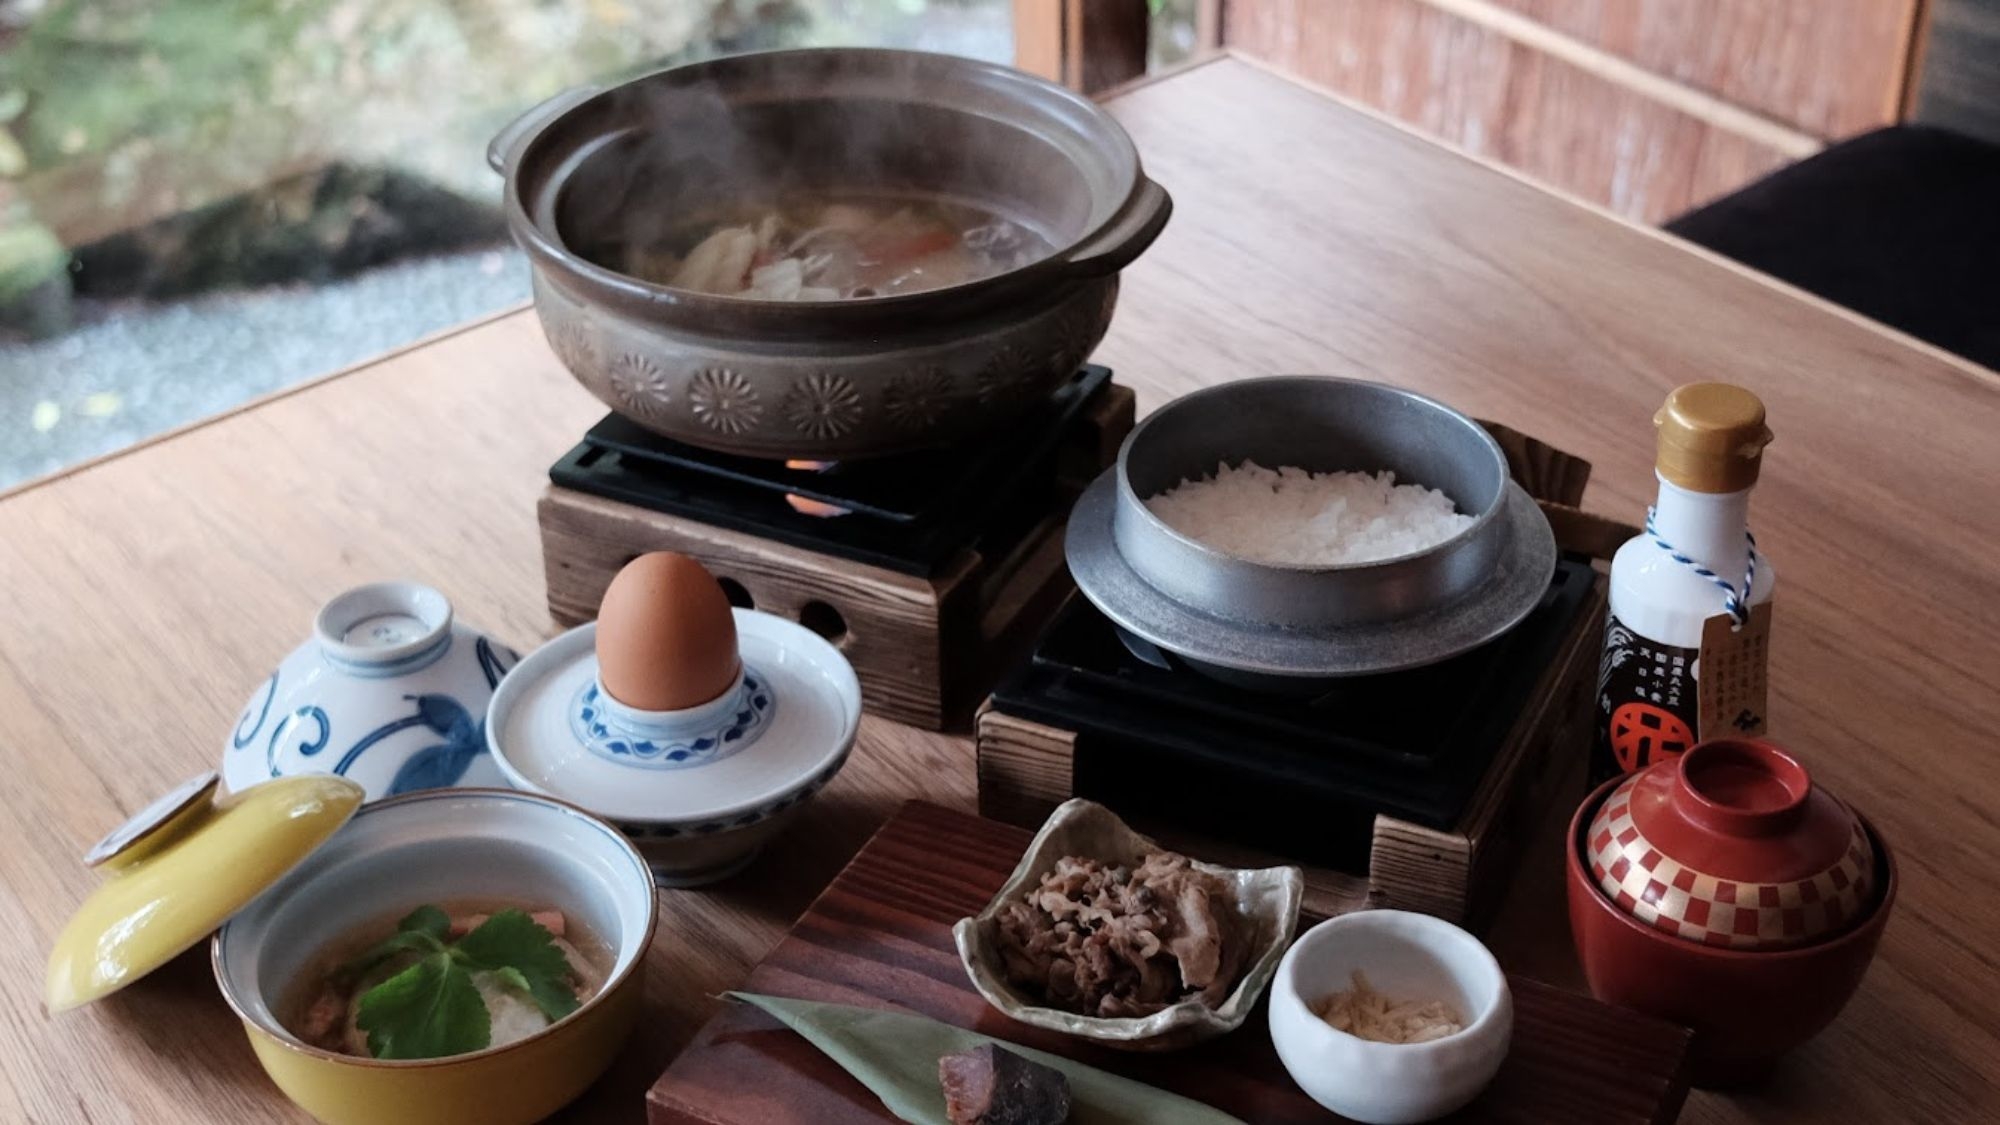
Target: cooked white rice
1293, 517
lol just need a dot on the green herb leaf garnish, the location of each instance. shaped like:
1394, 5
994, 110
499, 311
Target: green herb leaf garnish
430, 920
431, 1008
511, 940
427, 1011
423, 930
515, 979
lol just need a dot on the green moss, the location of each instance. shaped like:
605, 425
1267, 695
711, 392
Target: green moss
30, 255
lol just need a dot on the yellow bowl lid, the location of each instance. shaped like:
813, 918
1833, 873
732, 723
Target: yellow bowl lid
180, 868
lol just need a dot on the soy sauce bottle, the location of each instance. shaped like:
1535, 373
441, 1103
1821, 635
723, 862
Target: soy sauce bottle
1695, 560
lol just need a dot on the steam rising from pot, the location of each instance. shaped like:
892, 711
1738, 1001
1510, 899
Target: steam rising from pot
689, 153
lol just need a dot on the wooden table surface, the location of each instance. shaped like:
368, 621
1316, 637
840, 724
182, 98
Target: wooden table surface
142, 598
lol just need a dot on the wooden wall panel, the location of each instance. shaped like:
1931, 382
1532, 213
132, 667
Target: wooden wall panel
1831, 68
1504, 101
1088, 45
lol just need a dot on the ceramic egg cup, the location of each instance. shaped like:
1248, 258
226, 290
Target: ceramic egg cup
699, 790
1747, 1007
389, 692
436, 847
1405, 956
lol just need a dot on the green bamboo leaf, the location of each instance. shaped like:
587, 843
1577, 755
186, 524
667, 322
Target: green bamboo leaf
896, 1055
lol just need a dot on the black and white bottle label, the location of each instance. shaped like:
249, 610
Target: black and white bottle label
1647, 703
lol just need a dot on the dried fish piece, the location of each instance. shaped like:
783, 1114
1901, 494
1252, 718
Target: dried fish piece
990, 1085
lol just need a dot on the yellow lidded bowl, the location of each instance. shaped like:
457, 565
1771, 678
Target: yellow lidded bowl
437, 847
180, 867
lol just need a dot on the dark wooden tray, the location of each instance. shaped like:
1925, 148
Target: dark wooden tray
881, 936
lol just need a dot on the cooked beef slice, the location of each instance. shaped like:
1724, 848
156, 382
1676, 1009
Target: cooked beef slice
1109, 940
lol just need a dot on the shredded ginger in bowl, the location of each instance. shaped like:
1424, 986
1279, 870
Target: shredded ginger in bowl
1367, 1014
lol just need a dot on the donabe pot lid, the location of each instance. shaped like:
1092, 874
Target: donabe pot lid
183, 866
779, 733
1507, 596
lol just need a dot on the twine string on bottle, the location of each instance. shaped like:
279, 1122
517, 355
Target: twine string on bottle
1736, 604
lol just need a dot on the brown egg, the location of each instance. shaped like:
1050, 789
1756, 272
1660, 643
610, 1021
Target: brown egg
666, 639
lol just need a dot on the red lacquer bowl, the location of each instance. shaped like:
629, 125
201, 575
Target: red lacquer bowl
1732, 845
1747, 1008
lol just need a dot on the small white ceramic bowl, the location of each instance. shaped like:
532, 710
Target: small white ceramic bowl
389, 692
1404, 956
435, 847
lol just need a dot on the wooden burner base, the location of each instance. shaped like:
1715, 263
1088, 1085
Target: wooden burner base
925, 649
1027, 768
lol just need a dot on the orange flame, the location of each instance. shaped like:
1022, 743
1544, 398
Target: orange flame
818, 508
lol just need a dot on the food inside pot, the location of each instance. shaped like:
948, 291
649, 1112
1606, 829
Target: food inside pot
1104, 939
838, 249
441, 982
1293, 517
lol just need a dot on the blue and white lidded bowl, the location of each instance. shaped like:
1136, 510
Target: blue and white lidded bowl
390, 692
701, 789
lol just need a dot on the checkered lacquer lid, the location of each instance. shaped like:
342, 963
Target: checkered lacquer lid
1732, 846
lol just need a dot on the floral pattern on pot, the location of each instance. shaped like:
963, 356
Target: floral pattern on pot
640, 386
724, 401
919, 400
823, 405
1073, 343
733, 729
572, 343
999, 378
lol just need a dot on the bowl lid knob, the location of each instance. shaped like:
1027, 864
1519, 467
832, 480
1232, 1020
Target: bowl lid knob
1732, 845
181, 867
384, 628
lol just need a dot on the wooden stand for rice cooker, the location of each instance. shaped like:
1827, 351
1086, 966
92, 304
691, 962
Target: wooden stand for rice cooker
926, 649
1025, 768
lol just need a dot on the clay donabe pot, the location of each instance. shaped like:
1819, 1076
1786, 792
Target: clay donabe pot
825, 380
1747, 1006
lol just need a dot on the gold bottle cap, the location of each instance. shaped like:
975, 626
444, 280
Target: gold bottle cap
1711, 437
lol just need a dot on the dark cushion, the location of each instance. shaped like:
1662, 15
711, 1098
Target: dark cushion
1902, 225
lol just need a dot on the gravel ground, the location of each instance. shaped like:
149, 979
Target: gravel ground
134, 370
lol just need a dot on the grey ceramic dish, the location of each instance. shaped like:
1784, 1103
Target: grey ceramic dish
1292, 628
1268, 897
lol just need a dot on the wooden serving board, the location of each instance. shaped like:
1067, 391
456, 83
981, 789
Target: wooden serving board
880, 936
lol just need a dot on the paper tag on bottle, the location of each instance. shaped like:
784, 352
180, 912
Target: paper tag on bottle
1734, 673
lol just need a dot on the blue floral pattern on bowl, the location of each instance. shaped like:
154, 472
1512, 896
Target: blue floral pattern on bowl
612, 732
656, 831
395, 706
